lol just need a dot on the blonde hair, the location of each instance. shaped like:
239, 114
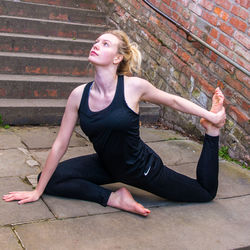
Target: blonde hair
131, 62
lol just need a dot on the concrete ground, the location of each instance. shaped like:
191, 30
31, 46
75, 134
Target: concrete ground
59, 223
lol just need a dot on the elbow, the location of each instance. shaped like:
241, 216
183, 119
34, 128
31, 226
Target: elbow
59, 148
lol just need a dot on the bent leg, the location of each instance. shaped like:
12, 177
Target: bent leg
79, 178
174, 186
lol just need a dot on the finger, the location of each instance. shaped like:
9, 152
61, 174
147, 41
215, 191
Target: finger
24, 201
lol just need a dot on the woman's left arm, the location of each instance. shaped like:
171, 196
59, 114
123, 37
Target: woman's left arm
151, 94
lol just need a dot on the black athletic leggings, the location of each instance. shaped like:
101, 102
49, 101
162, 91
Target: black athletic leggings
81, 177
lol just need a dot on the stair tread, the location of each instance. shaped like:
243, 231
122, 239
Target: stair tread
53, 21
42, 56
61, 7
51, 38
33, 103
48, 103
42, 78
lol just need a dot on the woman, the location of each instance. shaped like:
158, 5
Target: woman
108, 110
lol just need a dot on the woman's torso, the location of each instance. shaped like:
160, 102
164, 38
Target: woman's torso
114, 132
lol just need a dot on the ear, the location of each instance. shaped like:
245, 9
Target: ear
118, 59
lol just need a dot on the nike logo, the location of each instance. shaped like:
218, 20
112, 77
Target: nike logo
146, 172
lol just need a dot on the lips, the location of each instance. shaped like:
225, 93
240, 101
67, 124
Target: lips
93, 53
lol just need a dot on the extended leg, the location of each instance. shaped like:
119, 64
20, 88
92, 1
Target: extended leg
79, 178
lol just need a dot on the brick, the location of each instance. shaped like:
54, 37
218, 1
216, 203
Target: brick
214, 33
242, 38
167, 2
154, 20
184, 23
226, 51
207, 4
211, 41
184, 2
177, 63
174, 5
243, 3
226, 29
222, 14
235, 84
245, 105
186, 14
195, 8
228, 92
156, 3
224, 3
176, 37
210, 18
243, 63
246, 93
240, 12
226, 41
214, 56
226, 65
242, 52
240, 25
243, 77
175, 16
135, 4
183, 55
237, 115
165, 9
209, 89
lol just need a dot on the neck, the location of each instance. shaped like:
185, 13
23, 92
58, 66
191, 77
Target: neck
105, 80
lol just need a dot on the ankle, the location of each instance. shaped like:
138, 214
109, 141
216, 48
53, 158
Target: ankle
213, 131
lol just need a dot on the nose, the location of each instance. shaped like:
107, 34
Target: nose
96, 46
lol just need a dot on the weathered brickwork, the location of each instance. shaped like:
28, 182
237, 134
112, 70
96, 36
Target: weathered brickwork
188, 69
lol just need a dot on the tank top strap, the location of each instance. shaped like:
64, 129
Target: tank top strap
119, 96
85, 95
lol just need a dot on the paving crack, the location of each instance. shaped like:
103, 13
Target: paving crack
20, 242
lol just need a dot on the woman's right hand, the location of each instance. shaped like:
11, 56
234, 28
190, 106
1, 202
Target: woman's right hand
22, 196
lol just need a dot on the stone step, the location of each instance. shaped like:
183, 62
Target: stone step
84, 4
37, 64
50, 111
44, 45
49, 12
34, 26
38, 87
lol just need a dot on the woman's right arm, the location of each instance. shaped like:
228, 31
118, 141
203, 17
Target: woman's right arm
57, 151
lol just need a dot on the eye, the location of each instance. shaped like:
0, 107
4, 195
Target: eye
106, 44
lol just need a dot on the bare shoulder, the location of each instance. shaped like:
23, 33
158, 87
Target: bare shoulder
76, 96
136, 83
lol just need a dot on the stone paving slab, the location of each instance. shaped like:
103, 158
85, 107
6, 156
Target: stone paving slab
43, 137
177, 152
152, 135
68, 208
223, 224
9, 140
233, 180
17, 162
42, 154
8, 240
12, 213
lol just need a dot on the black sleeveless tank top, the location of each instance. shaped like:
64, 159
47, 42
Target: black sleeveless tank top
114, 132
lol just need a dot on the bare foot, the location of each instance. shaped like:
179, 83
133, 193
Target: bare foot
217, 106
123, 199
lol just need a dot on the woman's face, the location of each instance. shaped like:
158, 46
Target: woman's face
105, 51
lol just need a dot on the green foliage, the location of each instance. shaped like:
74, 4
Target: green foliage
2, 124
223, 153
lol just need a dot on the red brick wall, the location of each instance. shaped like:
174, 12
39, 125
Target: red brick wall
178, 66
